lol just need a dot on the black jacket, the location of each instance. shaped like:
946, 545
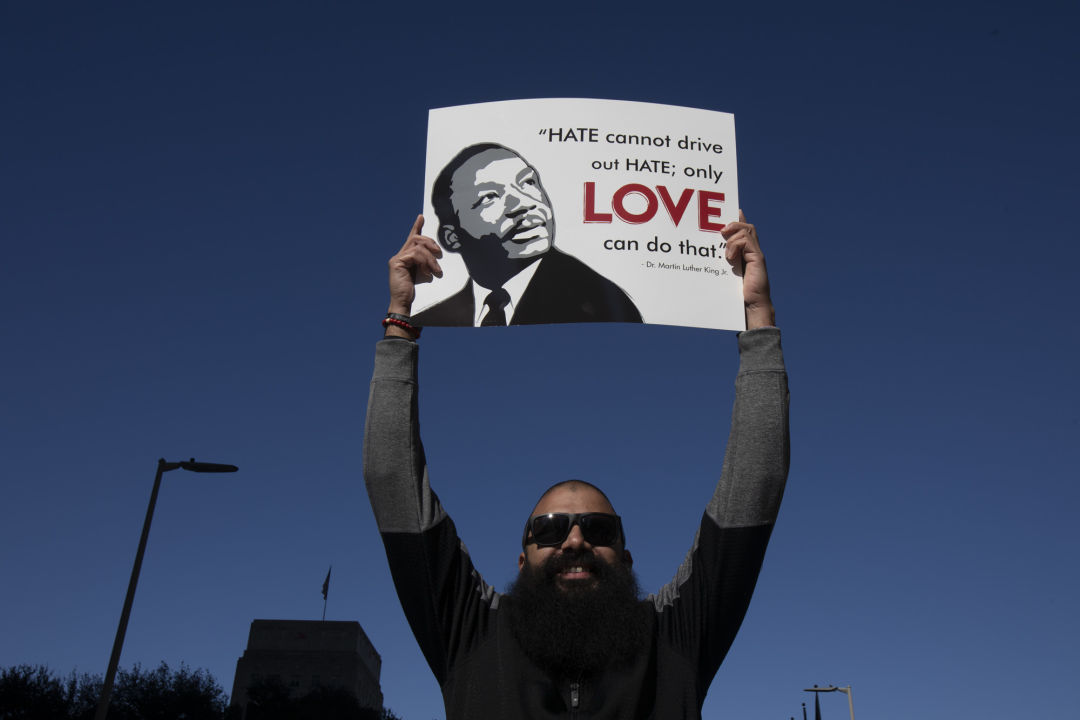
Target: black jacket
460, 622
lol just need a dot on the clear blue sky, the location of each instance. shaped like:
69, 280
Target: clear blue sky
196, 206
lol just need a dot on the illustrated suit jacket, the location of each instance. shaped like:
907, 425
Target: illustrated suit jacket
563, 290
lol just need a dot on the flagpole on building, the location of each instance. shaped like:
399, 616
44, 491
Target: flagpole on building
325, 592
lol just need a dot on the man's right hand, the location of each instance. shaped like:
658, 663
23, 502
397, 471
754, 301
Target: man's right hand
416, 262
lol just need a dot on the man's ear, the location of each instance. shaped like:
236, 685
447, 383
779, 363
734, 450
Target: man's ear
521, 561
448, 238
628, 558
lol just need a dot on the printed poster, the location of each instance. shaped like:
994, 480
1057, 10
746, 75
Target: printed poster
576, 210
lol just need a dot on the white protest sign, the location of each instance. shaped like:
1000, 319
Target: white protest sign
581, 210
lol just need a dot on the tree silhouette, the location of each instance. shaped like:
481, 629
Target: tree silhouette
28, 692
34, 693
163, 694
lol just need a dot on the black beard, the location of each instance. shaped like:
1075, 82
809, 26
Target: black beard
576, 630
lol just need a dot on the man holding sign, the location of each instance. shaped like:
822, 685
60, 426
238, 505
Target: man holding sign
571, 636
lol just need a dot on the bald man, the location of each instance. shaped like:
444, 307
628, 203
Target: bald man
572, 635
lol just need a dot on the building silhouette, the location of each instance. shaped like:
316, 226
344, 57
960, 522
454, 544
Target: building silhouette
308, 654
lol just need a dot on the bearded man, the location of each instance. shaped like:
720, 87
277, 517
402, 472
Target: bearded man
572, 637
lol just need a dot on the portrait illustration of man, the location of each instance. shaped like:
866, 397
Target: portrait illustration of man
493, 211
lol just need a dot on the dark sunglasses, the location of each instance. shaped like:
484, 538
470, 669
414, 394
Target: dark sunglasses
599, 529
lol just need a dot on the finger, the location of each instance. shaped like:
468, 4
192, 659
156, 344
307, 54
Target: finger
734, 248
734, 232
428, 244
729, 230
421, 276
415, 238
734, 254
421, 261
752, 239
417, 226
742, 243
733, 227
741, 231
426, 272
416, 242
414, 231
742, 218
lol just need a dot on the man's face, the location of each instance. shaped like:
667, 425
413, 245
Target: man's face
575, 608
502, 209
572, 573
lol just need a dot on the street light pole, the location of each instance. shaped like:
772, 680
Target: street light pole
125, 614
832, 688
850, 700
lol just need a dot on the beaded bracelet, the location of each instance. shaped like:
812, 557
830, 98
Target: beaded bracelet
403, 322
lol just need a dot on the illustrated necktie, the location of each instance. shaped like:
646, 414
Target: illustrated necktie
497, 300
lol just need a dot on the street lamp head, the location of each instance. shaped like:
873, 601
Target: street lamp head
206, 467
195, 466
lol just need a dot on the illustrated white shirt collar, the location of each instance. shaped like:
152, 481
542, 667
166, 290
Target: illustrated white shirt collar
515, 288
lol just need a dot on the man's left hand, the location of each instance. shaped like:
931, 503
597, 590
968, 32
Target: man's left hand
743, 249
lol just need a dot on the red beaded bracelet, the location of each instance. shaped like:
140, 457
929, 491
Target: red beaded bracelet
402, 322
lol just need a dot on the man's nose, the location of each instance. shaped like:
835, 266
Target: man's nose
575, 540
518, 202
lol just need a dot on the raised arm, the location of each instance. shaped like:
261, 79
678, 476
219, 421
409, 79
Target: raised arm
394, 466
703, 606
444, 599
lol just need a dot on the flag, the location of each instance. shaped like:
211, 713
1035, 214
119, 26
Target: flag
326, 584
817, 705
